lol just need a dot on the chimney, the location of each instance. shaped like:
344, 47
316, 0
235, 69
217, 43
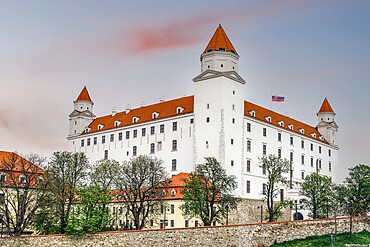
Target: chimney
161, 99
142, 103
128, 108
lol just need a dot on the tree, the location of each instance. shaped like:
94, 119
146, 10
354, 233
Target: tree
104, 173
142, 184
207, 193
355, 193
66, 173
22, 190
318, 190
275, 167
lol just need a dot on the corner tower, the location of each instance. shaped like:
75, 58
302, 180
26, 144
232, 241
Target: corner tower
219, 106
326, 124
82, 114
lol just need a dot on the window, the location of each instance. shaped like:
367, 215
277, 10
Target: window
319, 149
207, 145
152, 148
103, 139
233, 91
22, 179
120, 136
279, 153
329, 152
152, 130
186, 223
2, 178
135, 133
174, 145
207, 106
249, 145
329, 166
248, 127
106, 154
134, 150
135, 119
174, 126
151, 223
264, 189
248, 186
291, 157
179, 110
232, 163
191, 120
143, 132
263, 169
302, 174
155, 115
248, 165
232, 141
196, 224
172, 223
82, 143
233, 120
302, 159
281, 195
111, 137
88, 141
311, 161
159, 146
173, 192
174, 165
172, 209
207, 120
264, 132
279, 137
233, 107
161, 128
311, 147
302, 144
291, 140
127, 135
264, 149
95, 140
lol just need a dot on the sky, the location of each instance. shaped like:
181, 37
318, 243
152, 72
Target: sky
136, 52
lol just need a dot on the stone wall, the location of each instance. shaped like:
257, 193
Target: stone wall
262, 234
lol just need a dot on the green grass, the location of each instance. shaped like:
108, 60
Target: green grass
324, 240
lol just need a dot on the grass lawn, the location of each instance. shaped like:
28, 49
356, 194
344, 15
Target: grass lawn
318, 241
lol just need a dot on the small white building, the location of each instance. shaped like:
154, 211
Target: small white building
215, 122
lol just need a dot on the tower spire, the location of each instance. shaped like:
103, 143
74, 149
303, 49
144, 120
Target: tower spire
84, 95
326, 107
220, 42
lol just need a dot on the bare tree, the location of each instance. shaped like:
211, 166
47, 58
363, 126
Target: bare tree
22, 190
142, 185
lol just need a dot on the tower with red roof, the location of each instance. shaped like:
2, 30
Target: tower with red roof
326, 124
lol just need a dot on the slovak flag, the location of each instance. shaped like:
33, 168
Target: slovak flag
276, 98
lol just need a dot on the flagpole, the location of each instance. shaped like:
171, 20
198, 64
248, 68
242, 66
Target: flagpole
271, 101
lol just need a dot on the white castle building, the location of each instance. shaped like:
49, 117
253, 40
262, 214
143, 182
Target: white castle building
215, 122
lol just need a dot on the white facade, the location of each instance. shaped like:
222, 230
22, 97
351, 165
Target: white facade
216, 122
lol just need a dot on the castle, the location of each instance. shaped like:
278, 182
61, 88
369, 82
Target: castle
215, 122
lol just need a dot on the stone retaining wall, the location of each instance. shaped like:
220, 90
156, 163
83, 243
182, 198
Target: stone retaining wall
262, 234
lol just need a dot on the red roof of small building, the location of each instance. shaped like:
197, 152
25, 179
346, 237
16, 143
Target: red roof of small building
18, 165
326, 107
220, 40
84, 95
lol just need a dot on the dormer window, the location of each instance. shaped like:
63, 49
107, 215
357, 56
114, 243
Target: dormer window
40, 180
301, 130
173, 192
321, 138
179, 110
117, 123
2, 177
313, 135
100, 126
22, 179
87, 130
281, 123
155, 115
290, 126
253, 113
268, 119
135, 119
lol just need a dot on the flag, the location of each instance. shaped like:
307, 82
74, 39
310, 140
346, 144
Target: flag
276, 98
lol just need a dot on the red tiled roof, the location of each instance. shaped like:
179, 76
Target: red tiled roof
168, 109
18, 166
165, 109
325, 107
84, 95
220, 40
262, 113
